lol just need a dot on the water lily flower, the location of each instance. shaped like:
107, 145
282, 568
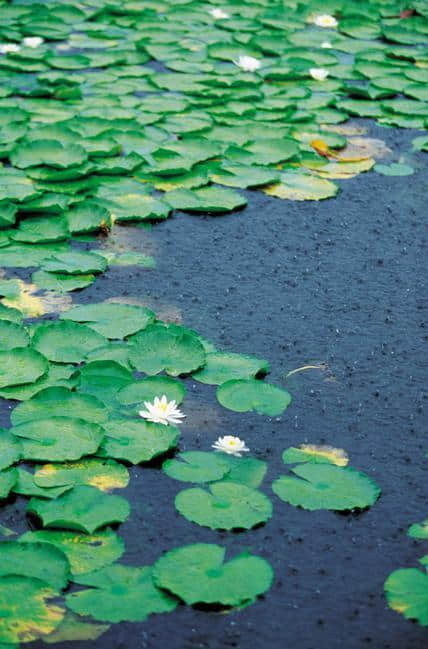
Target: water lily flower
326, 44
230, 445
162, 411
325, 20
5, 48
320, 74
32, 41
248, 63
218, 14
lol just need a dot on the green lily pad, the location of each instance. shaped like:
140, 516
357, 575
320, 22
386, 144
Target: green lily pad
36, 560
407, 593
136, 440
87, 216
394, 169
42, 230
248, 471
419, 530
315, 453
47, 152
207, 199
197, 466
66, 342
82, 508
25, 486
103, 379
160, 348
326, 486
111, 319
10, 449
196, 574
102, 474
8, 478
74, 263
300, 186
120, 594
58, 439
227, 506
136, 393
21, 365
223, 366
57, 375
85, 552
59, 402
244, 395
61, 283
27, 614
12, 336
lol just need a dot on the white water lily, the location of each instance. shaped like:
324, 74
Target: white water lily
218, 14
248, 63
5, 48
320, 74
326, 45
230, 445
162, 411
325, 20
32, 41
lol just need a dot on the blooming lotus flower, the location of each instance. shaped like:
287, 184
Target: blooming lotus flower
326, 44
320, 74
325, 20
32, 41
218, 14
248, 63
5, 48
230, 445
162, 412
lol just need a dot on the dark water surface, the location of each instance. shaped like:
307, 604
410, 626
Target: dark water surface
341, 282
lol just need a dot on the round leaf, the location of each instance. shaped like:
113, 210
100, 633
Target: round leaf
36, 560
407, 593
222, 366
102, 474
197, 466
252, 395
59, 402
66, 342
111, 319
137, 440
18, 366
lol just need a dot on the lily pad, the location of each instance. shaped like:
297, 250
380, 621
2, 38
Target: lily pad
59, 402
10, 449
120, 594
8, 478
74, 263
82, 508
419, 530
223, 366
316, 454
213, 200
61, 283
27, 614
102, 474
407, 593
227, 506
300, 186
111, 319
160, 348
12, 335
58, 439
245, 395
103, 379
197, 574
36, 560
18, 366
197, 466
47, 152
66, 342
136, 393
326, 486
137, 441
85, 552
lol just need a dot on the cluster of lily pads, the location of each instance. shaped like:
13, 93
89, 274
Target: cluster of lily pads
124, 111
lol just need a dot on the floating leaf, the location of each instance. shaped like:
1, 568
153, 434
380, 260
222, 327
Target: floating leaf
197, 466
111, 319
103, 379
66, 342
299, 186
25, 486
58, 439
59, 402
72, 629
227, 506
207, 199
12, 336
102, 474
36, 560
244, 395
58, 375
8, 478
246, 470
18, 366
326, 486
394, 169
61, 283
407, 593
74, 263
316, 454
47, 152
82, 508
223, 366
10, 449
137, 440
85, 552
196, 574
160, 348
136, 393
419, 530
120, 594
26, 612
